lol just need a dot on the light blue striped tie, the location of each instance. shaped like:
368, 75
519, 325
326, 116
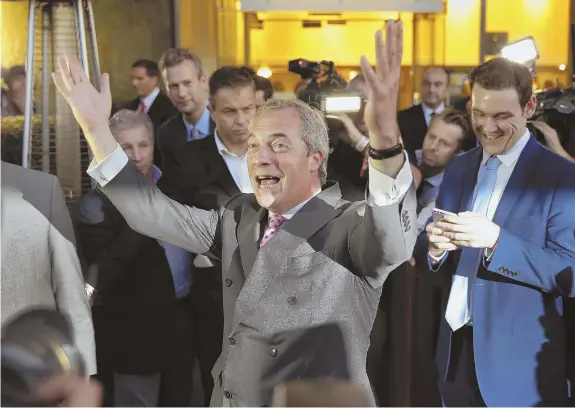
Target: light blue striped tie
458, 311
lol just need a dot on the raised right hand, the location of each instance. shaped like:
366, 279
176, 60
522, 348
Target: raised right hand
91, 107
438, 244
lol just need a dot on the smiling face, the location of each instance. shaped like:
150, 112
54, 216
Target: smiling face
283, 170
499, 120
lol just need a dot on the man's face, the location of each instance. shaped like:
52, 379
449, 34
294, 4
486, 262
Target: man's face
282, 170
187, 91
498, 119
232, 110
142, 83
260, 99
441, 143
434, 87
138, 146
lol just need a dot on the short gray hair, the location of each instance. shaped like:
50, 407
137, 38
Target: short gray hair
126, 119
312, 127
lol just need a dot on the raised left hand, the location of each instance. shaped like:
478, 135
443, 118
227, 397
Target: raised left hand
470, 229
383, 85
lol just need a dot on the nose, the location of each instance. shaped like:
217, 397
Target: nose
490, 125
242, 118
264, 156
181, 91
136, 155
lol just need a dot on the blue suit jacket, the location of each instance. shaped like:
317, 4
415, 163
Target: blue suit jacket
518, 327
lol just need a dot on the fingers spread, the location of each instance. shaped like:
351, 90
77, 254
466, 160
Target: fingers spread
368, 73
382, 63
76, 69
65, 72
60, 85
105, 85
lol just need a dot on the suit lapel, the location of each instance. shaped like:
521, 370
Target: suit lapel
249, 232
469, 179
218, 170
313, 216
523, 171
421, 126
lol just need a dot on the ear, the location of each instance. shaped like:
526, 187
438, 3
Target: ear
315, 160
530, 107
211, 109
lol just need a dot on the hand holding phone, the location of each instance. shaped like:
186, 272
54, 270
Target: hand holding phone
439, 214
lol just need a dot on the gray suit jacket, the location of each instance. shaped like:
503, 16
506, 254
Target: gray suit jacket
326, 264
40, 267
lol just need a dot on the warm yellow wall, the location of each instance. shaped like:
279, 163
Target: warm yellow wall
14, 22
280, 41
451, 39
462, 26
546, 20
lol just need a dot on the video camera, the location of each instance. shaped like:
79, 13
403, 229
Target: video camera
327, 89
556, 107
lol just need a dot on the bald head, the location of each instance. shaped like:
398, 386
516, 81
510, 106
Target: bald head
434, 86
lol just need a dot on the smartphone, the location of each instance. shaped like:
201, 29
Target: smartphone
438, 214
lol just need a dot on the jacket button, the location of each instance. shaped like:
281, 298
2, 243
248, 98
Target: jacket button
273, 352
227, 395
228, 283
232, 341
292, 300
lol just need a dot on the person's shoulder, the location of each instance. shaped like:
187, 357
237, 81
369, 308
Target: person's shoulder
92, 208
24, 178
410, 111
173, 122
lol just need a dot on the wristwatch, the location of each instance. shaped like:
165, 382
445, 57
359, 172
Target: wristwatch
385, 153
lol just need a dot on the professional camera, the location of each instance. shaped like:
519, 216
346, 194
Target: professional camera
36, 345
327, 93
326, 90
556, 107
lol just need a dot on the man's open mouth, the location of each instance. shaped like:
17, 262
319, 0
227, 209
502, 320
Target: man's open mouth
267, 181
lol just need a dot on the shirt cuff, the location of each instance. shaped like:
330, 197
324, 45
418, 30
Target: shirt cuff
384, 190
108, 168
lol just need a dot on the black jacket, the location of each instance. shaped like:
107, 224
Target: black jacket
134, 310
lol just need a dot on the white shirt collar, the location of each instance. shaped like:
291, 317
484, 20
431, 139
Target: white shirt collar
509, 158
293, 211
427, 111
149, 100
222, 149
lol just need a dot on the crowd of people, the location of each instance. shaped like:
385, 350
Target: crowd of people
228, 228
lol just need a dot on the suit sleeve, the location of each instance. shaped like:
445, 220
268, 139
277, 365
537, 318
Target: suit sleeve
70, 295
551, 268
108, 249
148, 211
385, 237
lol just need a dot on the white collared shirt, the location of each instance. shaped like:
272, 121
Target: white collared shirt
508, 162
237, 166
427, 112
149, 100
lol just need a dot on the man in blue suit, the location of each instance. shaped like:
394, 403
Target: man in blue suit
510, 249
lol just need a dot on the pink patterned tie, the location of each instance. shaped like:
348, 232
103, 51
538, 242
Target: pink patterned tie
274, 224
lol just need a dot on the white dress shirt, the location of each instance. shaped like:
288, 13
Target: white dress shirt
149, 100
383, 190
237, 166
428, 112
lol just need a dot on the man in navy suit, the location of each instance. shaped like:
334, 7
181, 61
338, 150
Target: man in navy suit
510, 249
